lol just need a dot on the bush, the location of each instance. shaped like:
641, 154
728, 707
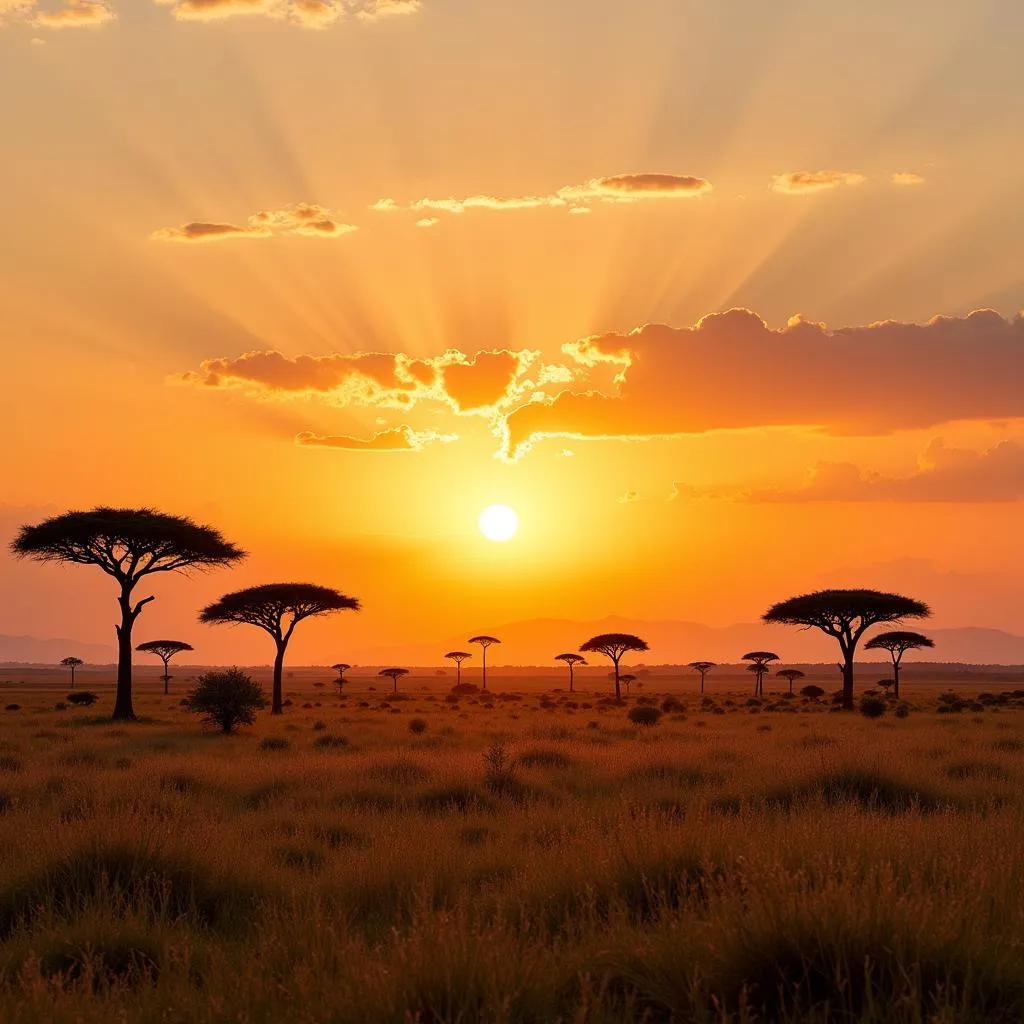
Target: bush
274, 743
872, 706
902, 710
465, 688
329, 742
417, 726
83, 698
645, 715
226, 698
672, 704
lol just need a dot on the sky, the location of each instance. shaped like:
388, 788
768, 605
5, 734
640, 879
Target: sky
722, 299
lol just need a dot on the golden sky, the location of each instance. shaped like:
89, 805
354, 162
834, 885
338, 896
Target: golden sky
723, 299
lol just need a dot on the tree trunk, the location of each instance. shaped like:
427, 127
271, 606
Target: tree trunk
458, 673
394, 684
123, 710
570, 677
896, 679
72, 677
702, 682
485, 668
277, 704
618, 692
167, 678
848, 682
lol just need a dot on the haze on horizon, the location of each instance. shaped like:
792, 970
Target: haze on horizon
723, 300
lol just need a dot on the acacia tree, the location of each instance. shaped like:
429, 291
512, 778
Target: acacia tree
127, 544
897, 642
341, 668
72, 663
626, 679
614, 646
572, 660
759, 667
484, 641
790, 674
703, 667
846, 615
164, 650
394, 674
458, 657
277, 608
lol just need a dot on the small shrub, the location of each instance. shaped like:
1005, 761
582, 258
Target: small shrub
82, 698
902, 711
645, 715
417, 726
226, 698
329, 742
274, 743
13, 707
9, 764
60, 706
872, 706
672, 705
319, 725
544, 757
499, 769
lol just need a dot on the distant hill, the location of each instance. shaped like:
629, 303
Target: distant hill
32, 651
536, 641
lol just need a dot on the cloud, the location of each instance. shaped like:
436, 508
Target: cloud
628, 498
76, 14
307, 13
731, 371
619, 188
427, 222
944, 474
486, 381
905, 178
797, 183
306, 219
466, 385
397, 439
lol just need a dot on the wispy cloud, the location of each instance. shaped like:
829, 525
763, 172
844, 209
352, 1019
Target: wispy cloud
397, 439
307, 13
797, 183
306, 219
619, 188
77, 14
906, 178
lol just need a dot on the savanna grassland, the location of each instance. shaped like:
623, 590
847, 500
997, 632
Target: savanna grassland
522, 856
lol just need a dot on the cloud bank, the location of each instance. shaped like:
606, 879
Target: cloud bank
304, 219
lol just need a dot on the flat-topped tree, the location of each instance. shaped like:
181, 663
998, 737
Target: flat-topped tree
791, 675
760, 660
846, 615
164, 650
897, 642
703, 667
72, 663
458, 657
626, 679
614, 646
484, 641
394, 674
127, 544
572, 660
341, 668
277, 608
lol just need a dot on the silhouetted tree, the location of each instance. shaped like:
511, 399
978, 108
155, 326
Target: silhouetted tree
759, 667
458, 657
164, 650
341, 668
394, 674
484, 641
277, 608
897, 642
790, 674
626, 679
703, 667
846, 615
72, 663
614, 646
572, 660
128, 544
226, 698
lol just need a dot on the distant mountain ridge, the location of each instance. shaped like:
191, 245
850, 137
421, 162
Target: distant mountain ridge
537, 641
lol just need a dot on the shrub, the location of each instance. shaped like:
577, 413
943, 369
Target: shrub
83, 698
872, 706
544, 757
274, 743
465, 688
499, 769
60, 706
672, 704
645, 715
319, 725
329, 742
13, 707
226, 698
417, 726
902, 710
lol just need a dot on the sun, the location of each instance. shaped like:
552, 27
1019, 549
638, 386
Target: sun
498, 522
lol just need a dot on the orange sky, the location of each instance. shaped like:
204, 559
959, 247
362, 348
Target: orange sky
690, 286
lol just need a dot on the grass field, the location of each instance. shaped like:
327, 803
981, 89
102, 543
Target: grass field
524, 857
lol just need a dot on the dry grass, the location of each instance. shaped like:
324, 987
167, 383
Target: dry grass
335, 866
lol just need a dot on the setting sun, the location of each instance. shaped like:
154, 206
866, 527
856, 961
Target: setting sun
499, 522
